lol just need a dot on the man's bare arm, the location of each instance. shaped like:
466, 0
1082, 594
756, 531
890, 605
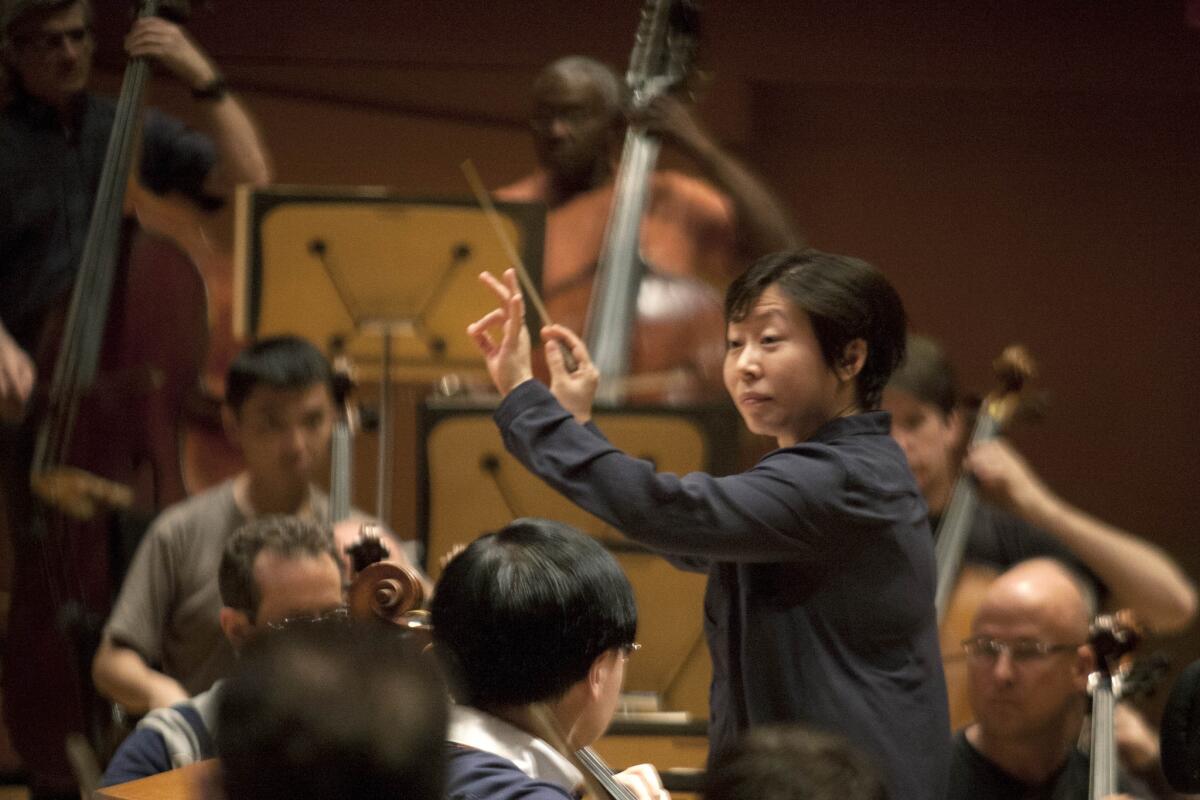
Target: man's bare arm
1140, 575
764, 225
123, 676
241, 157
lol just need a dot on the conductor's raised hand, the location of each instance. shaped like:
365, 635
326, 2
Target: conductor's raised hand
575, 389
508, 361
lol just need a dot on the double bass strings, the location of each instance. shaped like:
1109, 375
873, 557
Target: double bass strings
78, 361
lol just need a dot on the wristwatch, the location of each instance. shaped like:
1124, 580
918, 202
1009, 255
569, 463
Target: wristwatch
215, 89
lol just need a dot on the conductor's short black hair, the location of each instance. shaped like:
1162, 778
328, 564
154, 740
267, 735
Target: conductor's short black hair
521, 614
845, 298
280, 362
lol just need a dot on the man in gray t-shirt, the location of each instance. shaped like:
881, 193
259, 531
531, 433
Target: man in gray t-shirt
163, 641
167, 612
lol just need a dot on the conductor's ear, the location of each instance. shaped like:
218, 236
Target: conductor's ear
853, 358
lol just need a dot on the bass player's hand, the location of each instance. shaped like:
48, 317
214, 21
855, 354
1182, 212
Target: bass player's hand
17, 374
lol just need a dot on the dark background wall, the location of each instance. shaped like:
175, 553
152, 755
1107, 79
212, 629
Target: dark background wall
1026, 170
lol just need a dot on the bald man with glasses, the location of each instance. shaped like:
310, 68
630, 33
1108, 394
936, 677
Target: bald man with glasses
1027, 668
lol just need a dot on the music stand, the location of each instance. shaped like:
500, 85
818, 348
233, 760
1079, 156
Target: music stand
393, 276
473, 485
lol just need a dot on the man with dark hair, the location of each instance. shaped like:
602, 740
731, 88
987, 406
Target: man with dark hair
819, 606
791, 762
163, 641
273, 569
689, 229
1022, 517
1028, 663
323, 711
534, 623
53, 137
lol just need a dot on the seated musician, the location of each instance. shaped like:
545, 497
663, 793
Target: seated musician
163, 641
1022, 517
1027, 667
792, 762
332, 712
819, 607
689, 229
534, 624
53, 135
273, 568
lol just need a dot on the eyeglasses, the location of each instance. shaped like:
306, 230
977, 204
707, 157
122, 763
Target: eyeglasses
983, 649
629, 649
339, 614
49, 41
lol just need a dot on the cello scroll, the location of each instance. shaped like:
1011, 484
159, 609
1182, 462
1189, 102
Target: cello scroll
1111, 637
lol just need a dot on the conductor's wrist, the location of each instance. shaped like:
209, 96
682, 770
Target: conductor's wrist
507, 387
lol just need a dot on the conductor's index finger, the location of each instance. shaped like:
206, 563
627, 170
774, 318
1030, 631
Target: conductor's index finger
499, 289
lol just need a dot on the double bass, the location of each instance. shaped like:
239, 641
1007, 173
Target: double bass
960, 589
652, 337
98, 452
1111, 637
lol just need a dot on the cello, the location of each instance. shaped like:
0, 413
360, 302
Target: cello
651, 336
960, 589
101, 448
1111, 637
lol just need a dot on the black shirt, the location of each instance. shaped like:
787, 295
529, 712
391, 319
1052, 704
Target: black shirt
974, 777
49, 174
999, 540
819, 606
